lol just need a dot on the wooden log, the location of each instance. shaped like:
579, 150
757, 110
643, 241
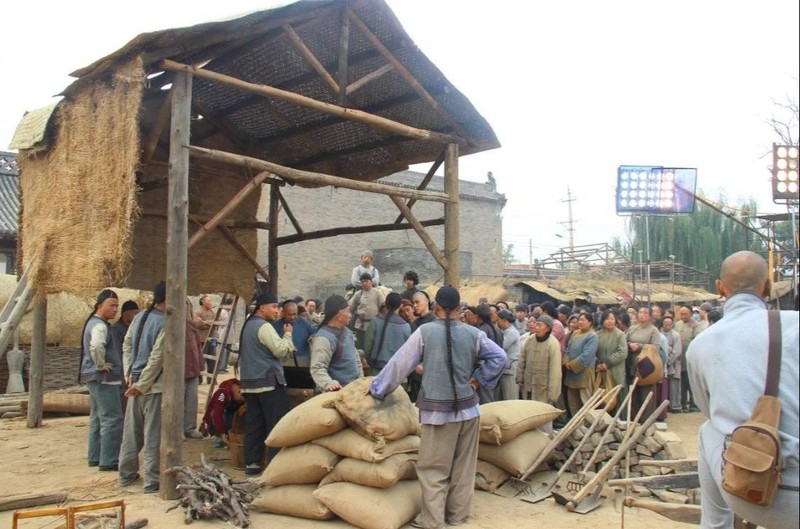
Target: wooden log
272, 248
12, 414
24, 501
678, 513
350, 230
423, 235
308, 55
4, 409
669, 481
288, 211
177, 266
452, 275
344, 49
154, 134
36, 368
243, 251
377, 74
315, 179
327, 108
670, 496
425, 181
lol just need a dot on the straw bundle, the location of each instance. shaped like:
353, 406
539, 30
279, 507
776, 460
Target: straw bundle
79, 195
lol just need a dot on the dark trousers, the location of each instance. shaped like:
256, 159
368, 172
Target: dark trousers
687, 399
264, 410
638, 398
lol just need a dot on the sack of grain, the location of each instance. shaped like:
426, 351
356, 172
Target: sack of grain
371, 508
292, 500
381, 475
516, 456
489, 477
349, 443
313, 418
381, 420
504, 420
301, 464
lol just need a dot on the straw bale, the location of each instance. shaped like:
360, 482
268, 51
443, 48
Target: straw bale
66, 313
79, 196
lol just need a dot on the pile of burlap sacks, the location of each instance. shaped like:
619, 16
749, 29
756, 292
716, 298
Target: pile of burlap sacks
346, 454
349, 455
510, 440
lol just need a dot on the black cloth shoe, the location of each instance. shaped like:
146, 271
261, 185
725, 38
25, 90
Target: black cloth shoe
109, 468
94, 463
253, 469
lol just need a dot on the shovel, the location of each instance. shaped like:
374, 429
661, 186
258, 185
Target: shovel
583, 502
515, 486
544, 490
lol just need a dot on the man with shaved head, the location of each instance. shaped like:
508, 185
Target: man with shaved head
728, 370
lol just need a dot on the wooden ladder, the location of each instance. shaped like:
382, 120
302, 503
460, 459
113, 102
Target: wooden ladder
14, 310
226, 329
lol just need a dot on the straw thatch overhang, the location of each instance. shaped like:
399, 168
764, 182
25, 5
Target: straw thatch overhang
329, 92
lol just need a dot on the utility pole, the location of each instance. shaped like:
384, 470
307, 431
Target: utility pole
530, 254
570, 223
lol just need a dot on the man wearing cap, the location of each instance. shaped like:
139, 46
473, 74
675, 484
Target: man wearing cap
127, 312
143, 350
366, 305
334, 359
365, 268
507, 387
448, 403
261, 378
101, 370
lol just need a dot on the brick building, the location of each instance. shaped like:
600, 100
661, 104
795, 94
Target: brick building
321, 267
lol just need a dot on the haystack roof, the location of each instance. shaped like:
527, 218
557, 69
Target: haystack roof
266, 48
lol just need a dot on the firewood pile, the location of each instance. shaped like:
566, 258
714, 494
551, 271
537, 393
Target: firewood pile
657, 444
208, 493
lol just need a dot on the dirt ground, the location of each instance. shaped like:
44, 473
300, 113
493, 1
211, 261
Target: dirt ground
54, 458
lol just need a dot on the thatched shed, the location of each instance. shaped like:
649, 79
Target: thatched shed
148, 166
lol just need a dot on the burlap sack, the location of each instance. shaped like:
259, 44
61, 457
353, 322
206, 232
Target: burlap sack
313, 418
292, 500
370, 508
301, 464
504, 420
349, 443
381, 475
382, 420
516, 456
489, 477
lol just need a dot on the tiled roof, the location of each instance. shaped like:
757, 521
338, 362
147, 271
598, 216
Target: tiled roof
9, 194
466, 189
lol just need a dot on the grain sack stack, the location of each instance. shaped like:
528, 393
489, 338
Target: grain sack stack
510, 440
605, 439
346, 454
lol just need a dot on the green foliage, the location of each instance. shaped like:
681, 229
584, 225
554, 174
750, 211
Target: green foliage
508, 254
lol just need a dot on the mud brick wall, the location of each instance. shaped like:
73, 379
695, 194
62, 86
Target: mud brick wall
60, 368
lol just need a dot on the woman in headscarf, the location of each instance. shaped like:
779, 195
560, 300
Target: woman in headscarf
579, 360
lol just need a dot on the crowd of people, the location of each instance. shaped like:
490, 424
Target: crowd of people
450, 356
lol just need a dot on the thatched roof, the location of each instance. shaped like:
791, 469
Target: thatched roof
610, 291
257, 48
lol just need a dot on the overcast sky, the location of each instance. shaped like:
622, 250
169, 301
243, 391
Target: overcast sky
572, 89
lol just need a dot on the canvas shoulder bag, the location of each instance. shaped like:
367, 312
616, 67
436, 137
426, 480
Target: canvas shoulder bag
648, 364
752, 458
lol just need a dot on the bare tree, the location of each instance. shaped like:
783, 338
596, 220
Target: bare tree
785, 124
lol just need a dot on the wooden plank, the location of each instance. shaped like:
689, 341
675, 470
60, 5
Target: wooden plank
232, 204
300, 46
673, 511
288, 211
177, 265
315, 179
36, 367
372, 76
272, 248
426, 239
23, 501
452, 275
243, 251
350, 230
233, 225
344, 48
327, 108
425, 181
686, 465
668, 481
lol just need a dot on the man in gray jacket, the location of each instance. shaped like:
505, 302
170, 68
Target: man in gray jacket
728, 369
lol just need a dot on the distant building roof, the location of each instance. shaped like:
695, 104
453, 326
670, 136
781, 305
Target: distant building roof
467, 190
9, 194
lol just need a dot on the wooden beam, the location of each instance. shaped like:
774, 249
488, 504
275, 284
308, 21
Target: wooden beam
243, 251
226, 210
452, 275
272, 248
162, 118
289, 213
351, 230
426, 239
361, 83
300, 46
344, 51
36, 367
231, 225
327, 108
177, 266
316, 179
424, 184
405, 74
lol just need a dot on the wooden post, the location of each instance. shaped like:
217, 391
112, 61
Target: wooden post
272, 249
452, 274
38, 346
175, 321
344, 48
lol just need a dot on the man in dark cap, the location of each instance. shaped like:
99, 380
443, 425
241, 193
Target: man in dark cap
448, 403
262, 379
127, 312
334, 359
